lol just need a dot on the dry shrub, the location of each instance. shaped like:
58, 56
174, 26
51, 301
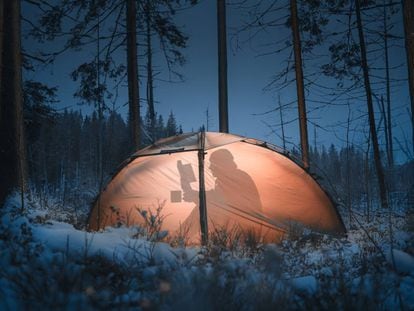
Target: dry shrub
151, 229
181, 237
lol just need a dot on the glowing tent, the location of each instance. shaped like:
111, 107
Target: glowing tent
231, 180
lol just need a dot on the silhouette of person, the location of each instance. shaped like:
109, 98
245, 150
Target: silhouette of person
234, 200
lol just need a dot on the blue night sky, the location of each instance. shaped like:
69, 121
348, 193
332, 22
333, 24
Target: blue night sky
248, 75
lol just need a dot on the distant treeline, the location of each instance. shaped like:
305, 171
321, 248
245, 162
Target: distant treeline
349, 174
63, 149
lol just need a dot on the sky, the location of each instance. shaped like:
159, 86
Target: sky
248, 75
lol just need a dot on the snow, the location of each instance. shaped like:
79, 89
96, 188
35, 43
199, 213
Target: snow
114, 243
404, 263
113, 269
305, 283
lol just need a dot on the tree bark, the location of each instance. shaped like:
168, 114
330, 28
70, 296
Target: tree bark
12, 147
367, 182
1, 45
348, 167
100, 106
222, 66
282, 124
408, 9
132, 72
385, 118
390, 153
300, 89
150, 76
370, 106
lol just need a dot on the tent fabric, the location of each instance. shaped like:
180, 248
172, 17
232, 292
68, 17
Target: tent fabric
248, 185
188, 142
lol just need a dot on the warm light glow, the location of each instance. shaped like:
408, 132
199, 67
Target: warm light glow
247, 187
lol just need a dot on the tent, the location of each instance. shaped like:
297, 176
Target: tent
198, 182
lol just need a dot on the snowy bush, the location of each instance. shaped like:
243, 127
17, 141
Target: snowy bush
47, 263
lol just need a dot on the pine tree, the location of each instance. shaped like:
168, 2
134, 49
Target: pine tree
408, 12
159, 127
171, 127
300, 89
12, 142
132, 65
371, 116
109, 19
222, 66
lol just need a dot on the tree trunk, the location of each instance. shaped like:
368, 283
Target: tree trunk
150, 77
390, 153
1, 46
222, 66
371, 116
100, 106
12, 148
282, 125
408, 9
300, 89
348, 167
132, 64
367, 182
385, 118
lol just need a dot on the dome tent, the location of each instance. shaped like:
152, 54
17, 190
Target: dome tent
201, 181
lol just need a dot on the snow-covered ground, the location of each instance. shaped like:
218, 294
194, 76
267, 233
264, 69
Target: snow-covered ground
46, 263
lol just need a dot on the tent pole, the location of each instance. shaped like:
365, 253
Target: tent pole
202, 191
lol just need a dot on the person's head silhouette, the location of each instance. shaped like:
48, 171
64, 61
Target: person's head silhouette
221, 162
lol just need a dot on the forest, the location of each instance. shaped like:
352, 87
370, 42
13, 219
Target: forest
92, 88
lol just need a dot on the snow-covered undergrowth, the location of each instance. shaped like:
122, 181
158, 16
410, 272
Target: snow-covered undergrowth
46, 263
